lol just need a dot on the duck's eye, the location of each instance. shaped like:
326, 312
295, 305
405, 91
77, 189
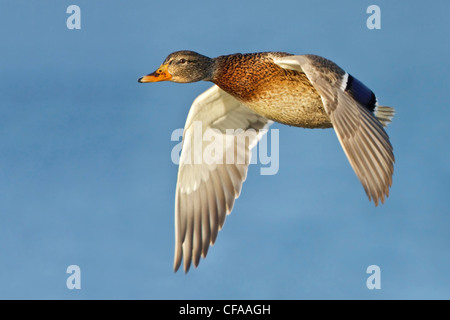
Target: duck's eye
182, 60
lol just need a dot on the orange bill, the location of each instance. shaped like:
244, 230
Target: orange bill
161, 74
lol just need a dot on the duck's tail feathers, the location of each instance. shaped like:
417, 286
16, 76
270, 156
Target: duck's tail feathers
384, 114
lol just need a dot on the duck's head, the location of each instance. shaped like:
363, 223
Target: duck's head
182, 66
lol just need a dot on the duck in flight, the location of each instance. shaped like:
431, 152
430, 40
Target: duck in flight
251, 91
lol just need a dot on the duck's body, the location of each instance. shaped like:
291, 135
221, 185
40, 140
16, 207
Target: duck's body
251, 90
281, 95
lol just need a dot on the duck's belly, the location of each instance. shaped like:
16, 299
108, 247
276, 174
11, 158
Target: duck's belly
292, 107
287, 97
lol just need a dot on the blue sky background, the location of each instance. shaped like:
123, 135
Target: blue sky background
86, 176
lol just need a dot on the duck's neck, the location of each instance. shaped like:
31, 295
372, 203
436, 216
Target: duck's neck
234, 73
210, 67
218, 66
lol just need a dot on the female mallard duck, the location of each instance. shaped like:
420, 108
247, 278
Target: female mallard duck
251, 91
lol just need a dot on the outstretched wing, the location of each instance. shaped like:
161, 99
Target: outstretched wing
353, 111
218, 136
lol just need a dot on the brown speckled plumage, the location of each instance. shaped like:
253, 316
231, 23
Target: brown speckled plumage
285, 96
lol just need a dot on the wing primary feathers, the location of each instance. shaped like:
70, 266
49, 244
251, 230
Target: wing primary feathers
220, 196
197, 233
187, 241
205, 225
213, 210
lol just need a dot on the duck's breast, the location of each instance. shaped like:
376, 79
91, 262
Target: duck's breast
285, 96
